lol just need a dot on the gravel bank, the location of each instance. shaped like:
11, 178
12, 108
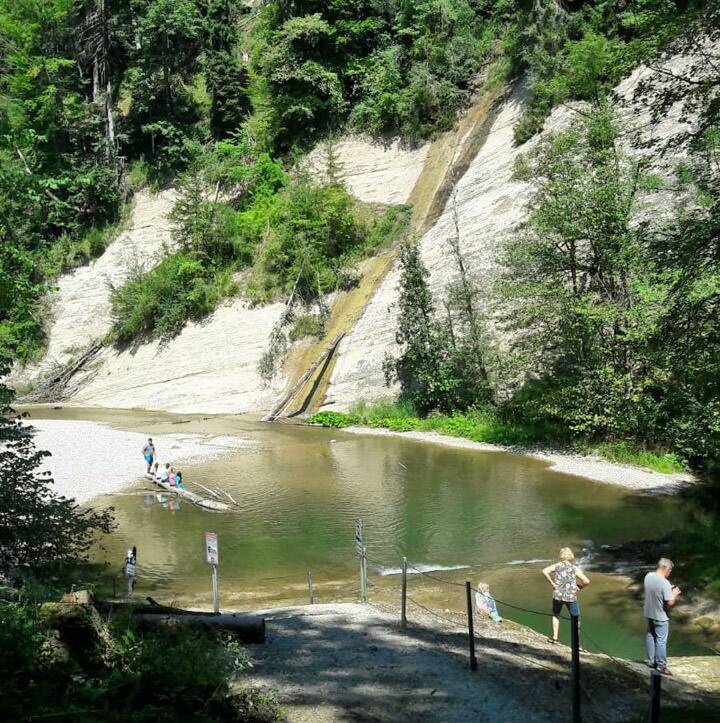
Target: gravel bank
351, 662
111, 458
593, 468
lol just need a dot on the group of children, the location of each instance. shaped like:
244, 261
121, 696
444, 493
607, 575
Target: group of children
170, 476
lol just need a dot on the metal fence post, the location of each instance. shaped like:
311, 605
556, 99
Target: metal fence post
403, 605
575, 641
471, 630
215, 591
655, 688
363, 574
310, 587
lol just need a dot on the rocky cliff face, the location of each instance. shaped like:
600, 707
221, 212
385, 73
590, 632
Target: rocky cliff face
489, 204
212, 366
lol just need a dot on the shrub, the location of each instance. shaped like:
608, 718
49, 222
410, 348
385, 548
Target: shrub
177, 290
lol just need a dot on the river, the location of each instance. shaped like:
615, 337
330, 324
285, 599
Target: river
456, 514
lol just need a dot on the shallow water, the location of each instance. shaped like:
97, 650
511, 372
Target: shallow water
458, 514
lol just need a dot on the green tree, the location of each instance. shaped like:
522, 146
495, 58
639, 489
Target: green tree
582, 297
38, 528
425, 368
226, 76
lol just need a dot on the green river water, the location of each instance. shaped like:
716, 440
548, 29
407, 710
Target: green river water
459, 514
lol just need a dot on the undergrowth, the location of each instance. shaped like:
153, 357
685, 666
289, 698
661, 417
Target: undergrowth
487, 425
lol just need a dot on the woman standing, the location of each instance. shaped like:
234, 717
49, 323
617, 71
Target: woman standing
565, 587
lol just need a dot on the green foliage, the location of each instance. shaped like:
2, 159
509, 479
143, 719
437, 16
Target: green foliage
336, 420
616, 308
179, 289
407, 68
115, 673
294, 233
38, 529
492, 426
582, 54
311, 230
437, 370
307, 325
478, 425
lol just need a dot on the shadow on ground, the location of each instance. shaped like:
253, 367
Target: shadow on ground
352, 662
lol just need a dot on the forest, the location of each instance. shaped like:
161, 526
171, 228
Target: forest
615, 323
100, 99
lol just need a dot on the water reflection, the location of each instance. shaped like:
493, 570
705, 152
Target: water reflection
300, 490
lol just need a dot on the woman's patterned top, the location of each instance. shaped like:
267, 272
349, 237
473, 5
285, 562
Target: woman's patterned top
567, 588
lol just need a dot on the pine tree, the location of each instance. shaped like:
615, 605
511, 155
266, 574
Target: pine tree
423, 369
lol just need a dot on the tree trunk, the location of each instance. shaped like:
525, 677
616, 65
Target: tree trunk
248, 628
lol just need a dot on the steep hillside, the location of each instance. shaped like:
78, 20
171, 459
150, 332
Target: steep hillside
212, 366
489, 206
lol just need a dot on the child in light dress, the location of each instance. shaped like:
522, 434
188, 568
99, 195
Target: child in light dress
485, 603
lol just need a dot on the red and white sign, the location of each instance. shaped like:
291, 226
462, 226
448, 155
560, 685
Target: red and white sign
211, 548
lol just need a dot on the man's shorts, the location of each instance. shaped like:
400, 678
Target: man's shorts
148, 458
573, 607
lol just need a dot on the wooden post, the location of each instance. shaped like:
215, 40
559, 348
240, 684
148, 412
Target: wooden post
655, 688
471, 630
310, 587
575, 642
403, 608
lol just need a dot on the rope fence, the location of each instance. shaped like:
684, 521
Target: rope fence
325, 591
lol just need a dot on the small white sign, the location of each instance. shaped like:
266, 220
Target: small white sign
211, 548
358, 537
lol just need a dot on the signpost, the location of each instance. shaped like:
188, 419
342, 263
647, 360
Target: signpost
360, 548
213, 557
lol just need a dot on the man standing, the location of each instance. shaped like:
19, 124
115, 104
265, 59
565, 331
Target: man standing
659, 596
149, 453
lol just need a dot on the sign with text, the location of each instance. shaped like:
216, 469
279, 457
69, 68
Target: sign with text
358, 537
211, 548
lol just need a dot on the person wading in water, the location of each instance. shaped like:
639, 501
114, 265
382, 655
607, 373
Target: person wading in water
565, 588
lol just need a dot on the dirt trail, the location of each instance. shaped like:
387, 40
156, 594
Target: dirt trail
351, 662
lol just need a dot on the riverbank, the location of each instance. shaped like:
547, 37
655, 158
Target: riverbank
574, 463
351, 662
92, 458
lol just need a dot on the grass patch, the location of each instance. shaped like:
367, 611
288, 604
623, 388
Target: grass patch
628, 453
486, 425
478, 425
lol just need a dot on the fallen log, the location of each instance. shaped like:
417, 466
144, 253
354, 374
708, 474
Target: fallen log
277, 410
248, 628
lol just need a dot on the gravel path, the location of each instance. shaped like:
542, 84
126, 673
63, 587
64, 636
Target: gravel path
112, 458
352, 662
595, 468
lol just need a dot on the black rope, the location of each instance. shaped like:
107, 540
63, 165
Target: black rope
436, 614
504, 603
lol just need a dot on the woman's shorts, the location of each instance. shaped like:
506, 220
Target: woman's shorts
148, 458
572, 606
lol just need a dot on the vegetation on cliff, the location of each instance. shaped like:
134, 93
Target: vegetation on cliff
100, 96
